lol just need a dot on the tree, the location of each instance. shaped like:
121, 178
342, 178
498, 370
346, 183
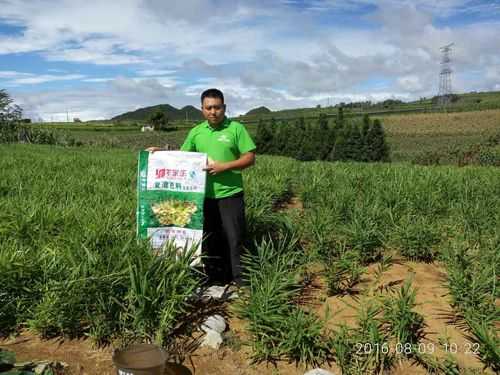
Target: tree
295, 137
339, 121
159, 120
379, 150
322, 137
323, 122
13, 128
8, 112
365, 140
307, 149
10, 116
280, 138
264, 137
337, 151
5, 100
353, 145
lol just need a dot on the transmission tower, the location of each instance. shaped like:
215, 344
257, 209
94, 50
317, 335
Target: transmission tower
444, 95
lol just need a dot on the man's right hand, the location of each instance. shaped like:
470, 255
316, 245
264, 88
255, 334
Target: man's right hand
154, 149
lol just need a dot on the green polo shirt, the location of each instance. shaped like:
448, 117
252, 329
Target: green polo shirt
225, 143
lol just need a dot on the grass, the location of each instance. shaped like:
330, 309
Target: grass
70, 264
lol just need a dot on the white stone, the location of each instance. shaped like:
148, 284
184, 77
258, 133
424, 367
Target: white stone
215, 292
212, 339
41, 367
215, 323
318, 371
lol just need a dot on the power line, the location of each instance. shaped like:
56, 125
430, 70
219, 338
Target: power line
444, 94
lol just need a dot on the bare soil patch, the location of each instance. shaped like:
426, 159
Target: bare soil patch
433, 303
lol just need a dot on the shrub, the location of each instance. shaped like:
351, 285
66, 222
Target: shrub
417, 238
346, 140
343, 273
489, 156
279, 329
428, 158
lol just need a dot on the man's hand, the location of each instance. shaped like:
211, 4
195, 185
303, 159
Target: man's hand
154, 149
215, 167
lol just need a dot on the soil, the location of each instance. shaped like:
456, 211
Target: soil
433, 302
234, 357
292, 203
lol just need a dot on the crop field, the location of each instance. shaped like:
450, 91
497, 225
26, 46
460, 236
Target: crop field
466, 102
408, 135
356, 268
461, 123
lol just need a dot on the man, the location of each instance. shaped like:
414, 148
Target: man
230, 149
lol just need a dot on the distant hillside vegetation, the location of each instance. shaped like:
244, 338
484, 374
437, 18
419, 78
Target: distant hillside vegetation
172, 113
258, 111
464, 102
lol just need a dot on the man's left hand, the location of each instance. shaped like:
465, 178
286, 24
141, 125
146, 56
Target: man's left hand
215, 167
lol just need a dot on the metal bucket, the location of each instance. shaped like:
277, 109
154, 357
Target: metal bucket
140, 359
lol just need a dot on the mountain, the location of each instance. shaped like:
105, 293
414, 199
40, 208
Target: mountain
192, 112
172, 113
258, 111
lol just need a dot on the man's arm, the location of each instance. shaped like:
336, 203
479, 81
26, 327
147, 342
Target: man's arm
245, 160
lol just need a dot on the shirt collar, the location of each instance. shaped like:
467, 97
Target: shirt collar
225, 124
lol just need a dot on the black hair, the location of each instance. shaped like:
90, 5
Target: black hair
212, 93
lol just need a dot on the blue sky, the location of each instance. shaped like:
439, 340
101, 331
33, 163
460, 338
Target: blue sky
98, 58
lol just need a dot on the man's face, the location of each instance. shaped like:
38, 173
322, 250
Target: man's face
213, 110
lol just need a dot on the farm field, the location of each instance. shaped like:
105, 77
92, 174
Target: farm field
357, 268
464, 123
408, 135
466, 102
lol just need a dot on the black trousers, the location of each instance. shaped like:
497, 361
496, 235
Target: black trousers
224, 230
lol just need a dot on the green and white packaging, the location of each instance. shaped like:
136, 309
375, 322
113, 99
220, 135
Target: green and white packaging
170, 195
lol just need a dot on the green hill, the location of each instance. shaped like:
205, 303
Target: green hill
258, 111
142, 114
463, 102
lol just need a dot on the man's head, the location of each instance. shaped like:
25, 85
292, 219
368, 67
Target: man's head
212, 106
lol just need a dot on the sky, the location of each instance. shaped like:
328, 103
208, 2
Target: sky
95, 59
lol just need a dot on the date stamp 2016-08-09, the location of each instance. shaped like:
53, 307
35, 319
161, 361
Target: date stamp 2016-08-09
467, 348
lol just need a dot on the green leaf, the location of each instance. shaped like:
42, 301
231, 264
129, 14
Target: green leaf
7, 359
17, 372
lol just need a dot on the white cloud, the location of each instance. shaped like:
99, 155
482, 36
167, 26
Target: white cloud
155, 72
14, 78
112, 98
273, 53
11, 74
46, 78
97, 80
410, 83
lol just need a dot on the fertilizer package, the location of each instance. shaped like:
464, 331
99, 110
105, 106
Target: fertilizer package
170, 195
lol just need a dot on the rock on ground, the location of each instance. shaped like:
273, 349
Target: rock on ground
215, 323
215, 292
318, 371
212, 339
